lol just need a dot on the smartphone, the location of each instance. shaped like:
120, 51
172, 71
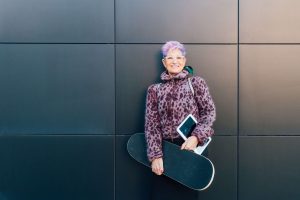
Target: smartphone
187, 126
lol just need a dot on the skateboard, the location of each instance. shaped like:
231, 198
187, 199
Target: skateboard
186, 167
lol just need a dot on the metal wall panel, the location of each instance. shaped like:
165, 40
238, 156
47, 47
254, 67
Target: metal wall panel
140, 21
269, 21
56, 167
56, 89
269, 168
133, 180
139, 66
57, 21
222, 151
269, 89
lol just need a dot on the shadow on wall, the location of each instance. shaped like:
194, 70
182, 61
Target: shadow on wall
140, 121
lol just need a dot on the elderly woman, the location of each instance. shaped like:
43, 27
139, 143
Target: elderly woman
169, 102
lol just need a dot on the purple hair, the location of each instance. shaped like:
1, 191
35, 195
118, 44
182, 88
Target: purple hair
170, 45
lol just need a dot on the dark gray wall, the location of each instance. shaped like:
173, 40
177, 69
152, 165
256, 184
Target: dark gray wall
73, 80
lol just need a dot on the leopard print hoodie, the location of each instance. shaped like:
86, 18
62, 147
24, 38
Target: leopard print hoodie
167, 105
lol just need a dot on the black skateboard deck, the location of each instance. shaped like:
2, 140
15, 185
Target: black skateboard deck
186, 167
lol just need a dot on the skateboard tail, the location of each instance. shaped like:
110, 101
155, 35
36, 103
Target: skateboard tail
137, 150
212, 177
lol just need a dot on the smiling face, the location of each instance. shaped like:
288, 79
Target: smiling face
174, 61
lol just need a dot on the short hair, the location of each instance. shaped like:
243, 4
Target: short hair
170, 45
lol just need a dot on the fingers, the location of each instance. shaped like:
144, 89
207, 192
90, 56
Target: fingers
187, 146
183, 146
190, 144
157, 166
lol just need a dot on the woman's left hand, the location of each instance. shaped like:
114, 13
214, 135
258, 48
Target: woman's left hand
190, 144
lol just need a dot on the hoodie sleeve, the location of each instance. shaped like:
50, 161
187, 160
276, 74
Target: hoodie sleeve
207, 110
153, 132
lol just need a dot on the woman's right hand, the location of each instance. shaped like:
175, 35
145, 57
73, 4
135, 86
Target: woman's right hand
157, 166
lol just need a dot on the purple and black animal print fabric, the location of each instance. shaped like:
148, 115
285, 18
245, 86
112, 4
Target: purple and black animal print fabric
167, 105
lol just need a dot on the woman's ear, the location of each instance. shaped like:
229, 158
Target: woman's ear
163, 61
